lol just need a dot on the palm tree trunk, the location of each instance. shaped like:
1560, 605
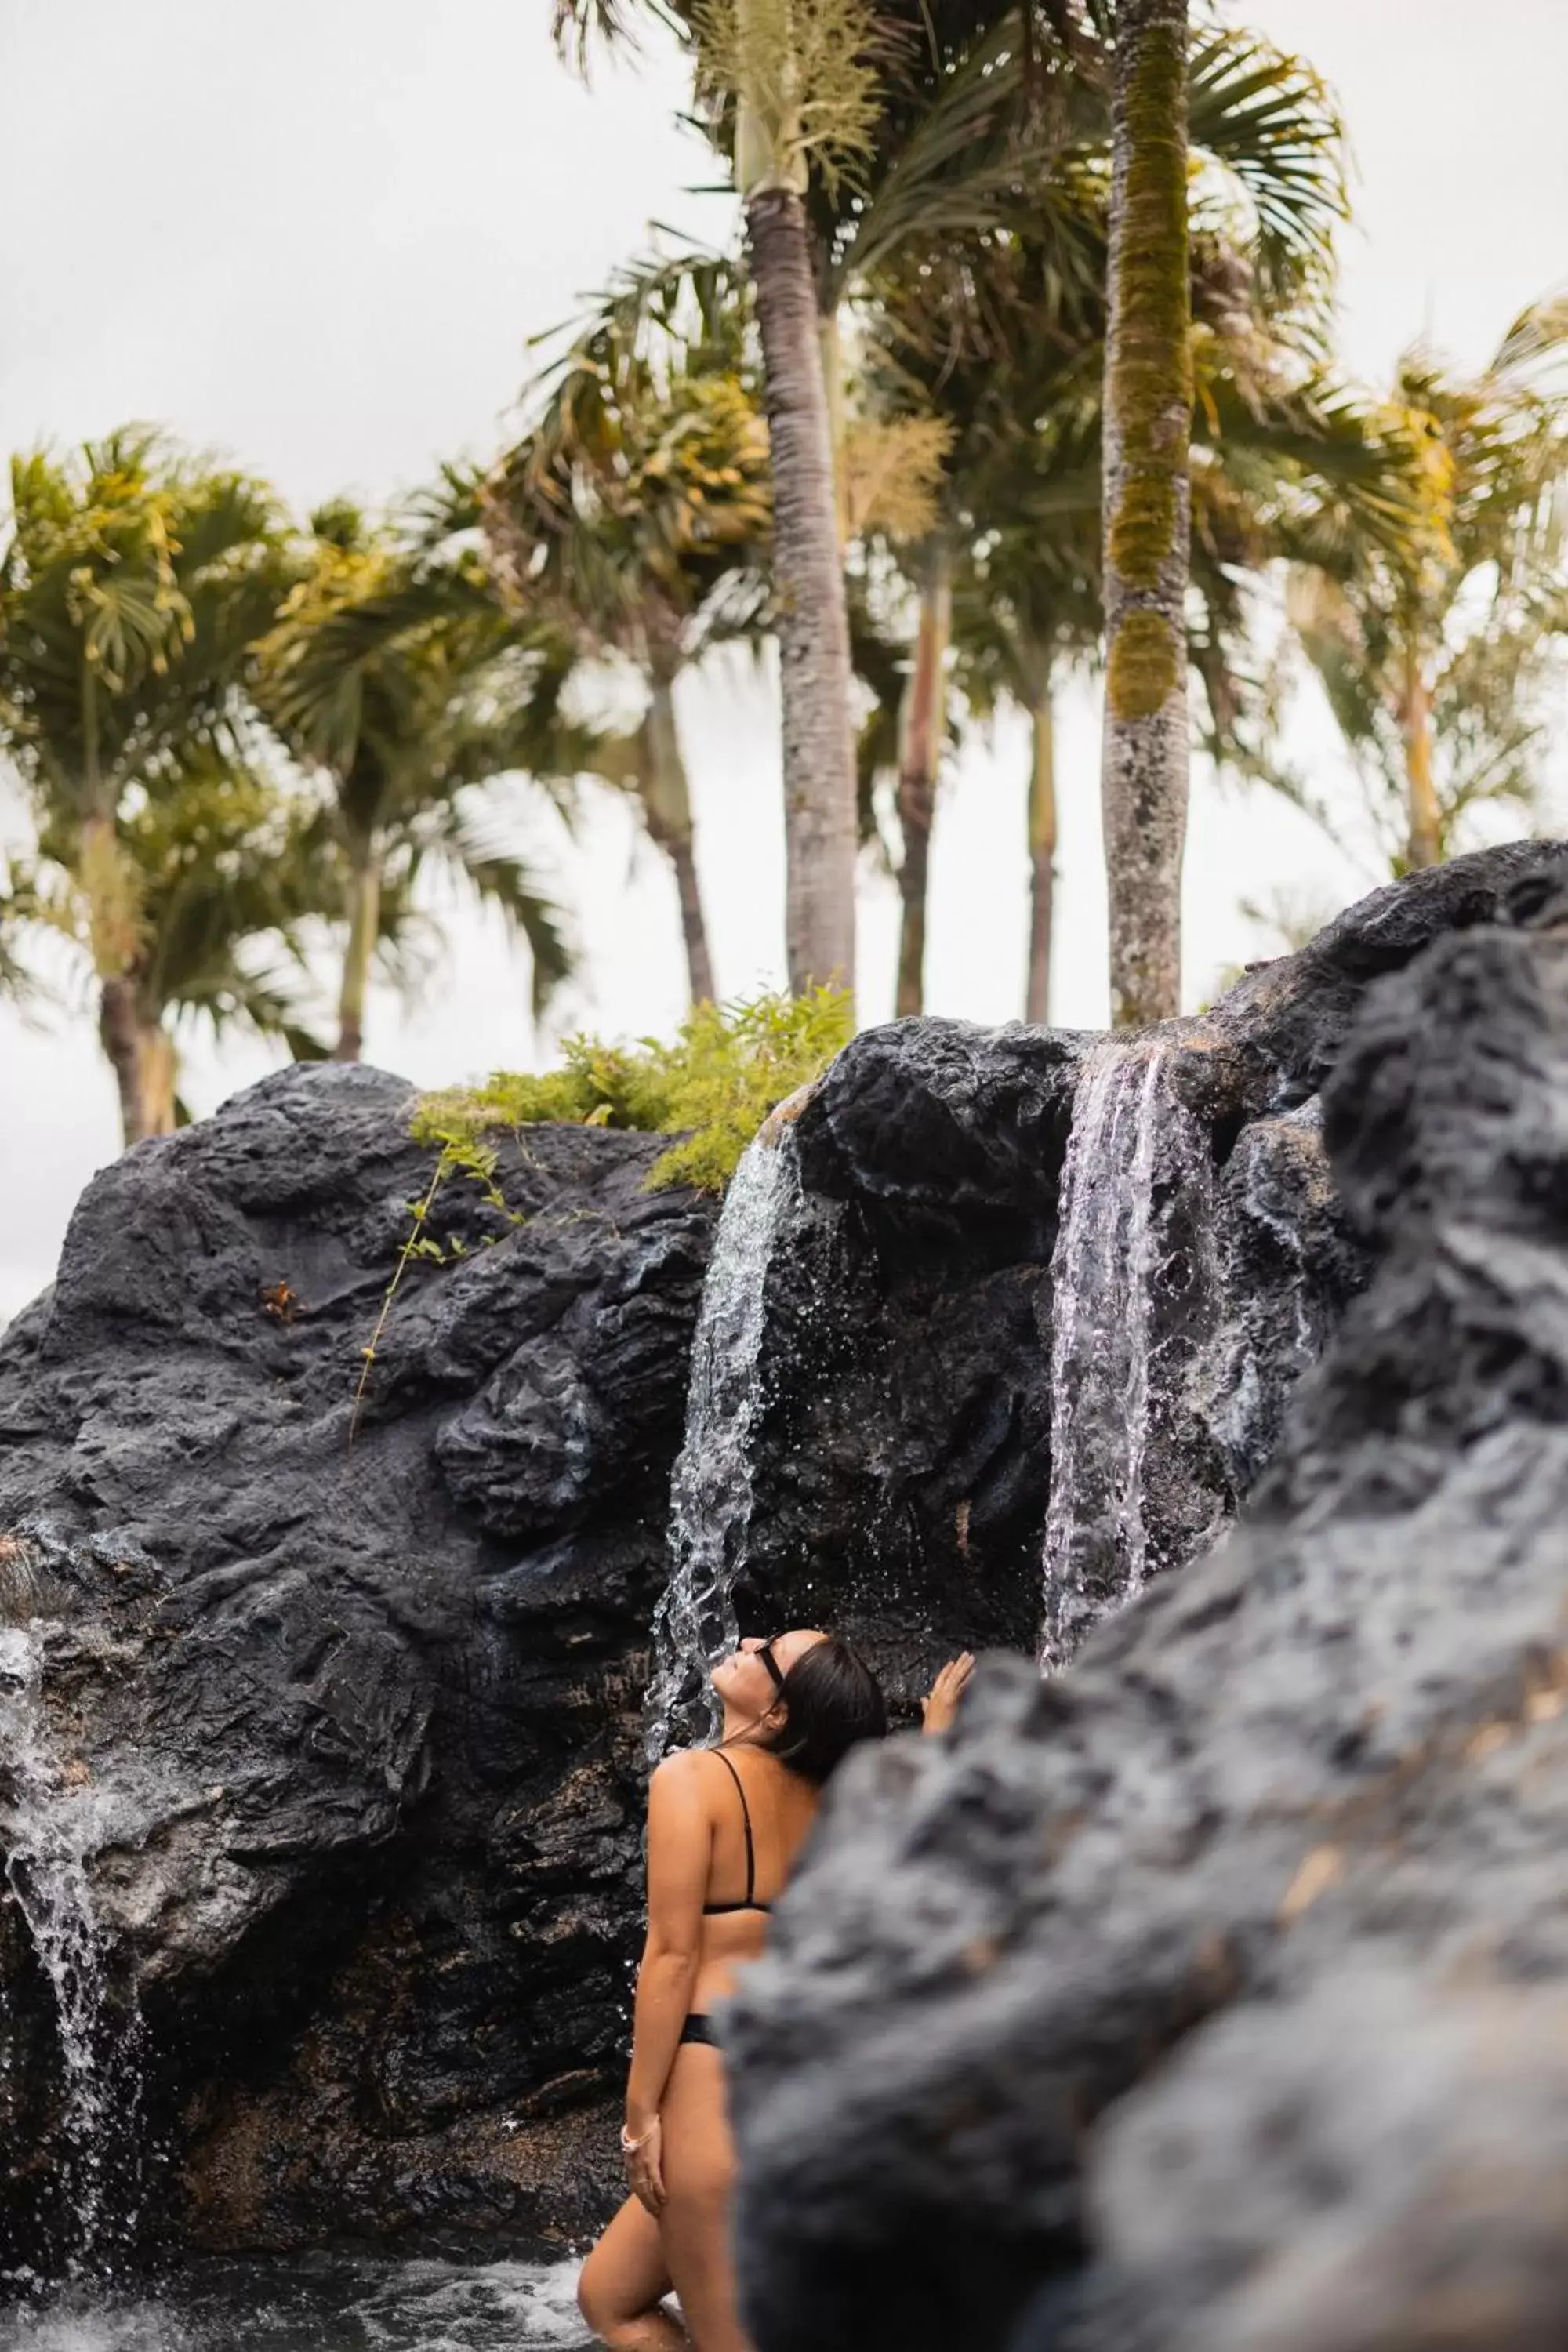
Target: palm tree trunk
1042, 859
1426, 816
830, 342
142, 1059
109, 886
820, 831
665, 798
364, 929
131, 1043
1147, 512
158, 1075
919, 755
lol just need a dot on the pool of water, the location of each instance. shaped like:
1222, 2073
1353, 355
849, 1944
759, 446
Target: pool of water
318, 2304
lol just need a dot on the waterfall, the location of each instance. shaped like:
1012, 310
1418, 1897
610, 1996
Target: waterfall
52, 1819
1113, 1358
711, 1493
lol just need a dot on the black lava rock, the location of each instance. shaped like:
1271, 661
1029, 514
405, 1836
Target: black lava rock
1187, 2000
363, 1686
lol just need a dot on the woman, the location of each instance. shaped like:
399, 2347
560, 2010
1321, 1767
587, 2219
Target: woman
725, 1824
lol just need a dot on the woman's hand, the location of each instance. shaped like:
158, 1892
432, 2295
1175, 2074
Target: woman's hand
645, 2166
938, 1711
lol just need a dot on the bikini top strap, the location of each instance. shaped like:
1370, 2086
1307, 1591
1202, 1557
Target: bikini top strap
749, 1903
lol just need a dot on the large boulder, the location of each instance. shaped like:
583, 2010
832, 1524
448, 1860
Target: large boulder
1212, 1994
351, 1691
903, 1448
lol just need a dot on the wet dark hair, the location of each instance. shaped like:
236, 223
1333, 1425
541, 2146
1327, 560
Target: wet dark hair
831, 1702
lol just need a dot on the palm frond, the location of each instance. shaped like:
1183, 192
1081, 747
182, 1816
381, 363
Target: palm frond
472, 847
685, 310
1272, 123
975, 157
579, 23
1538, 334
132, 583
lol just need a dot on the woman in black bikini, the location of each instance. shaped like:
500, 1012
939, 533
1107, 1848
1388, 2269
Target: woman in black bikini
724, 1826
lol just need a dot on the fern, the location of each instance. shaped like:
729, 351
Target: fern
712, 1085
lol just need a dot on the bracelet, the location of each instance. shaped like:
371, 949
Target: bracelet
629, 2146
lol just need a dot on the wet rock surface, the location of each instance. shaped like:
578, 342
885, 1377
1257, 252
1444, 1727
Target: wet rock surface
902, 1454
1187, 2000
362, 1696
356, 1701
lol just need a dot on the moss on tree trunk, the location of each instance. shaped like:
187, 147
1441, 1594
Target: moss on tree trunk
1148, 412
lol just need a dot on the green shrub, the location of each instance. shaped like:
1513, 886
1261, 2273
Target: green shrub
713, 1084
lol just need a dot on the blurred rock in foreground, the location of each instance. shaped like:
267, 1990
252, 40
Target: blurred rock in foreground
1211, 1998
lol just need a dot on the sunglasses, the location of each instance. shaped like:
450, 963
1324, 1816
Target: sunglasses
776, 1672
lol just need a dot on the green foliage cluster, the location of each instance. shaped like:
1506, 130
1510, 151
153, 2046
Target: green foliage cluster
712, 1085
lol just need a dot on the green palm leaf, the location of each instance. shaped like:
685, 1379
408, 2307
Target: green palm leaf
1271, 123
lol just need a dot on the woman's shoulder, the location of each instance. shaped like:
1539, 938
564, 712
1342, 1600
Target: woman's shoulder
682, 1772
708, 1773
690, 1786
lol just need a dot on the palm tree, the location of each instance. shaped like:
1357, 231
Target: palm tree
1433, 647
132, 583
979, 124
922, 735
846, 133
978, 110
1002, 333
1147, 512
790, 85
796, 90
395, 675
223, 881
984, 116
632, 519
981, 113
1277, 136
796, 78
1020, 625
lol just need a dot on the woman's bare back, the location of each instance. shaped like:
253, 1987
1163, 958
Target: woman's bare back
781, 1808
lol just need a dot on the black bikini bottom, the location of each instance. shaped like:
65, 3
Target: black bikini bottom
700, 2028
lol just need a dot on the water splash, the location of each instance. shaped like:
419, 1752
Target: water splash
52, 1819
1132, 1142
310, 2303
711, 1493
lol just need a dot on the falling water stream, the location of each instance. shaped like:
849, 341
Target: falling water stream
1131, 1137
1124, 1278
312, 2304
711, 1493
52, 1819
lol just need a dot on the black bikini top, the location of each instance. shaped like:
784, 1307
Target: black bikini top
751, 1903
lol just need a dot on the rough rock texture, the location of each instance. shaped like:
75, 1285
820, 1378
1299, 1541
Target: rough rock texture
365, 1700
1210, 1998
363, 1717
903, 1457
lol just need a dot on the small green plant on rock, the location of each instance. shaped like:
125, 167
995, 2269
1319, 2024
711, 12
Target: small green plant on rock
712, 1085
459, 1155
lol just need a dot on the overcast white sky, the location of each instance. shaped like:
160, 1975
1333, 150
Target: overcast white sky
317, 235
